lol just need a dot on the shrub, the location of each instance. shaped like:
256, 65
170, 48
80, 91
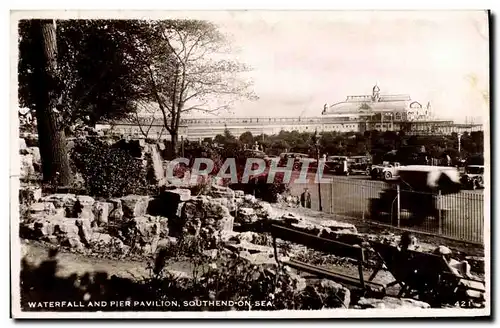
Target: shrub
108, 171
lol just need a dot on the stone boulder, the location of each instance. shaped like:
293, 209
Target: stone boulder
229, 203
101, 212
250, 237
218, 191
179, 194
27, 167
22, 144
37, 159
250, 199
246, 215
30, 194
264, 210
390, 303
134, 205
46, 208
116, 214
61, 200
59, 227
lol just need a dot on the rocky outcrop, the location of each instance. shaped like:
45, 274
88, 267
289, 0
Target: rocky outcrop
390, 303
134, 205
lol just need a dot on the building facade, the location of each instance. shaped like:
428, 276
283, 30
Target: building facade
355, 114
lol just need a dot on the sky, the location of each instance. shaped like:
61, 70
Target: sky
304, 59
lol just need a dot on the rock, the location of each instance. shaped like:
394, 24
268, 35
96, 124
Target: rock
61, 200
35, 153
260, 258
30, 194
22, 144
101, 212
84, 230
148, 229
217, 191
181, 194
246, 215
239, 193
43, 208
229, 203
228, 235
134, 205
265, 210
163, 227
85, 200
55, 226
249, 247
290, 218
116, 214
343, 294
215, 210
73, 243
101, 238
27, 168
247, 236
391, 303
226, 223
250, 199
339, 226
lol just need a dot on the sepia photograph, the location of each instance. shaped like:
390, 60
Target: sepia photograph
250, 164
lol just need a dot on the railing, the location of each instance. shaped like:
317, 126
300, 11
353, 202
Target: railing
458, 216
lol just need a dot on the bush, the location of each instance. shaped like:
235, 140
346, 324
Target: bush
108, 171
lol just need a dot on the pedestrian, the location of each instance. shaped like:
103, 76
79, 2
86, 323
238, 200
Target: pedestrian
305, 198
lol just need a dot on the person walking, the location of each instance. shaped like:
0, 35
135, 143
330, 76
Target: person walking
305, 198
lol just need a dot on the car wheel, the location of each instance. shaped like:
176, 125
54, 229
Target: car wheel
387, 175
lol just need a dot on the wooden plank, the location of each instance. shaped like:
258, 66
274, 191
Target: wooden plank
329, 274
317, 243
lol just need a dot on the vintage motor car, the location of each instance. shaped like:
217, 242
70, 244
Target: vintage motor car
473, 178
337, 165
386, 171
420, 186
359, 165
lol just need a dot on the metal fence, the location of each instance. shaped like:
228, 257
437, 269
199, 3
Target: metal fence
458, 216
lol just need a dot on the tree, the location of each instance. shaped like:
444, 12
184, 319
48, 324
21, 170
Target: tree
44, 81
98, 78
247, 138
145, 117
186, 71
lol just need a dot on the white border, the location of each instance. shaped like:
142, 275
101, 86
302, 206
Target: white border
282, 314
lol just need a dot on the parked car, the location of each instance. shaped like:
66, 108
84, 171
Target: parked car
473, 178
359, 165
386, 171
297, 156
337, 165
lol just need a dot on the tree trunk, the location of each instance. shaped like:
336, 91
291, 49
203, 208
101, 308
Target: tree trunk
174, 140
51, 136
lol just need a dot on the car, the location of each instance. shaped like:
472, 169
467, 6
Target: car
297, 157
359, 165
337, 165
473, 178
385, 171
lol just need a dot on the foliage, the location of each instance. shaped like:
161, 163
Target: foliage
186, 72
97, 75
107, 171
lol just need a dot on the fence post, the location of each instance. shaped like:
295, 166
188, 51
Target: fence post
398, 202
331, 197
440, 225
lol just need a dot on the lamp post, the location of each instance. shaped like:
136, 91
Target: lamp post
316, 144
459, 136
